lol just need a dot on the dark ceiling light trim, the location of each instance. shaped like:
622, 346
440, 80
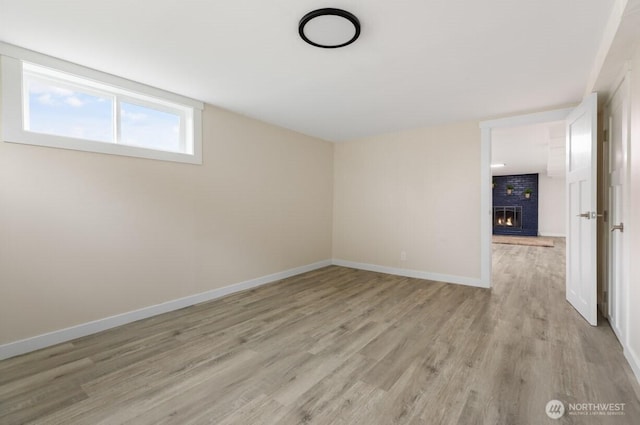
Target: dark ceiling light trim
324, 12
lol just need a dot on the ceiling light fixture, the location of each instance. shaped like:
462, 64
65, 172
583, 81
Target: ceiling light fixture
497, 165
329, 28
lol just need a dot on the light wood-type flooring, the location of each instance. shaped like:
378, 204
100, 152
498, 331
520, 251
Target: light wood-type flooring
340, 346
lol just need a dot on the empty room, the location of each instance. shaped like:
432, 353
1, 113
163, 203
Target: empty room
311, 212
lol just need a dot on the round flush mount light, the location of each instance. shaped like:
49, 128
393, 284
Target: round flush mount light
329, 28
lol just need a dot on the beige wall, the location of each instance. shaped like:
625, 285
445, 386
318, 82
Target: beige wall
415, 191
632, 224
84, 236
551, 206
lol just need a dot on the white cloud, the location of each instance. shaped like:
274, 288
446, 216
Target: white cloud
51, 95
134, 116
61, 92
46, 99
73, 101
38, 88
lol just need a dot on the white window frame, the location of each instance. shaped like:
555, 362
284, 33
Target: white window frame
14, 107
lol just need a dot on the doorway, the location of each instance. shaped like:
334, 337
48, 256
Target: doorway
528, 170
528, 180
507, 126
581, 214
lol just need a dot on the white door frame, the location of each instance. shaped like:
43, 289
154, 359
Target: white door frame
617, 298
486, 208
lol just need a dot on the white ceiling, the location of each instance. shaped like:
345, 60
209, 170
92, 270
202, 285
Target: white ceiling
416, 63
537, 148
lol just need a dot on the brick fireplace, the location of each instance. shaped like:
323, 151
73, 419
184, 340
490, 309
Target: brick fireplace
514, 213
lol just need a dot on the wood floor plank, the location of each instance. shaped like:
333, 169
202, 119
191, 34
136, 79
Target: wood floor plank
260, 411
319, 401
339, 346
25, 384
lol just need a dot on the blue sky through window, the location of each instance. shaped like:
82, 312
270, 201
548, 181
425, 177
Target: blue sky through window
82, 109
71, 113
149, 128
58, 110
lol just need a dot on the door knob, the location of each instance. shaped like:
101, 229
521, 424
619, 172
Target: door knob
584, 215
618, 227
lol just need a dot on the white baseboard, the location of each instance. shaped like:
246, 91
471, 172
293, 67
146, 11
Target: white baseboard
634, 361
460, 280
63, 335
553, 235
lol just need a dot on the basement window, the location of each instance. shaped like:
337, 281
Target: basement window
48, 102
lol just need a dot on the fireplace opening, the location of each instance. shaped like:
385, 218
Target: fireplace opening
509, 217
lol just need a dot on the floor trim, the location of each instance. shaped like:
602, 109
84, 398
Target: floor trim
460, 280
16, 348
634, 362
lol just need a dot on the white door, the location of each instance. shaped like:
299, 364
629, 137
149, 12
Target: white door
618, 120
581, 208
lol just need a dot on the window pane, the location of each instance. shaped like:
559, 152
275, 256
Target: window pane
54, 109
149, 128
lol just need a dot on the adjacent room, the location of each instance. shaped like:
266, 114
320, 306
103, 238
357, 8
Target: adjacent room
307, 212
528, 167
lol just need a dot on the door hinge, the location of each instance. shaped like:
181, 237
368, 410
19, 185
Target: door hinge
605, 136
